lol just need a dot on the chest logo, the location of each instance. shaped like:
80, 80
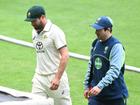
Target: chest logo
98, 63
105, 50
39, 45
45, 37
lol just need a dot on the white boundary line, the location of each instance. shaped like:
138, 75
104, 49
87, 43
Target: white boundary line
73, 55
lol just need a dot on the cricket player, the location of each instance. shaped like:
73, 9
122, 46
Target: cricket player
104, 82
50, 78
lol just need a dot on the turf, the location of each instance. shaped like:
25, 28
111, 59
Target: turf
17, 63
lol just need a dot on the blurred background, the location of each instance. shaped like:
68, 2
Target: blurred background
17, 63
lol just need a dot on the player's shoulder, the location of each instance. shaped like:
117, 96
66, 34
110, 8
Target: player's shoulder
54, 28
117, 47
57, 29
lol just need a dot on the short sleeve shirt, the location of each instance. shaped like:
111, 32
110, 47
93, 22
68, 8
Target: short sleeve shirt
47, 44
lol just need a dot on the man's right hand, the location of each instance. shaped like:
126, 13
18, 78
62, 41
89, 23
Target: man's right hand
86, 93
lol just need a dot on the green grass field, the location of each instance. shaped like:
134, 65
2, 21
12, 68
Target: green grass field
17, 63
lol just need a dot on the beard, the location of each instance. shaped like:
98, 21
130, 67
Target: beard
39, 27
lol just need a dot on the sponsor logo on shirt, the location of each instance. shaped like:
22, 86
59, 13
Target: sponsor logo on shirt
98, 63
39, 47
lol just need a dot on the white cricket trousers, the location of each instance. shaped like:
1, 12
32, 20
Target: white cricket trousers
41, 86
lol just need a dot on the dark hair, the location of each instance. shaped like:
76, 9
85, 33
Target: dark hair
108, 29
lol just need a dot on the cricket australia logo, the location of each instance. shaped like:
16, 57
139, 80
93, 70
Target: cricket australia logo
98, 63
97, 21
105, 50
39, 45
29, 14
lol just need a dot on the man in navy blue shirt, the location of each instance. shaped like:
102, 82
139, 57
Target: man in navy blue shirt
104, 81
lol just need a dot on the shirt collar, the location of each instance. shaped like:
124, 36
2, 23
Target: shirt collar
47, 26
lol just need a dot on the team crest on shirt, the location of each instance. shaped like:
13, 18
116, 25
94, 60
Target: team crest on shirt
105, 50
45, 37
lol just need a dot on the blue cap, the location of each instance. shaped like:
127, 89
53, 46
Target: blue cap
103, 22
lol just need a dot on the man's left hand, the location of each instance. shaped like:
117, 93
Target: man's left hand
94, 91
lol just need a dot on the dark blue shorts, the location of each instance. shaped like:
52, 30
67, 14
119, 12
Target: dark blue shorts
120, 101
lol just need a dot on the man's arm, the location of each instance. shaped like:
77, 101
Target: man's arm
88, 77
89, 74
87, 81
63, 62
